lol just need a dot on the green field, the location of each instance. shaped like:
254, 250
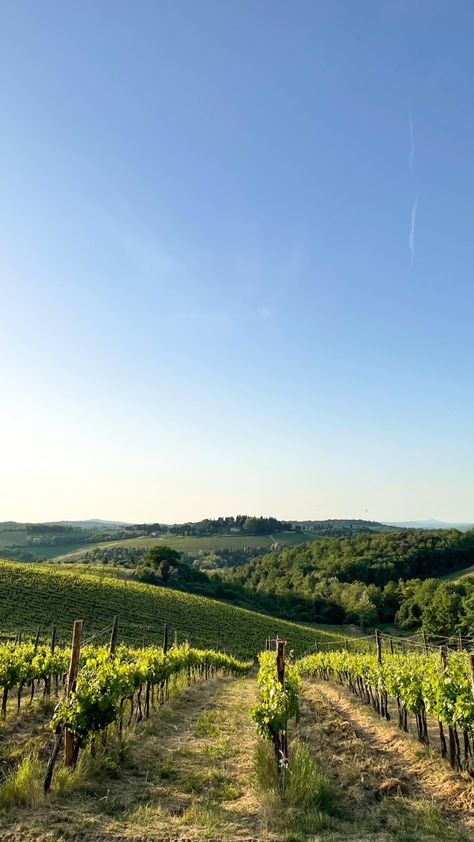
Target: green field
34, 594
12, 537
216, 542
459, 574
195, 545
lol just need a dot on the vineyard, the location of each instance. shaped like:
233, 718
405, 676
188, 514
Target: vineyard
33, 595
112, 741
160, 721
422, 685
96, 682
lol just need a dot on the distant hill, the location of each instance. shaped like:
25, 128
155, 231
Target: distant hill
94, 523
430, 524
342, 527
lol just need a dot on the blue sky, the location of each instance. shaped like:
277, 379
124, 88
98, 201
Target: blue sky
236, 259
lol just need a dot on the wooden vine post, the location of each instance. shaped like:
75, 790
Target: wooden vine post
378, 645
69, 754
113, 635
452, 751
471, 667
281, 737
382, 700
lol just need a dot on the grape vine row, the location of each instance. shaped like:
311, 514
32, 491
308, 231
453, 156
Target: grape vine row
421, 684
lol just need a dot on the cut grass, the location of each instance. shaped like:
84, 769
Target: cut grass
363, 754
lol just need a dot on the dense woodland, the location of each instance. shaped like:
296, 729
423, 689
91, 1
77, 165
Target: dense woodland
362, 579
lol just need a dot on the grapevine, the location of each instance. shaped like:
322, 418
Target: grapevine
421, 685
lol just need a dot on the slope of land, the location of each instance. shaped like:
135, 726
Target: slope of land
372, 559
32, 594
193, 545
30, 541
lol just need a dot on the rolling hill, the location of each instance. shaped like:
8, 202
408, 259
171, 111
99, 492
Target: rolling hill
32, 595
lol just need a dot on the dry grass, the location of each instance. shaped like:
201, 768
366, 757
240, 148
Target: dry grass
387, 782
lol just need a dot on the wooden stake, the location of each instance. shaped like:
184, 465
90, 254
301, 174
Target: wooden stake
71, 680
165, 638
281, 737
471, 667
280, 647
113, 635
378, 644
451, 734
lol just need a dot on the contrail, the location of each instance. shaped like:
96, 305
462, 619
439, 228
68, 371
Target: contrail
412, 144
411, 241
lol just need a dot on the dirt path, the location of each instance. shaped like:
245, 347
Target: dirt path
388, 783
186, 774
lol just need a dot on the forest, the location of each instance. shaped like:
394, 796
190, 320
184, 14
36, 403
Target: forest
365, 579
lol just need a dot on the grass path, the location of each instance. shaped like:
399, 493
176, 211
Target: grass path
184, 775
390, 786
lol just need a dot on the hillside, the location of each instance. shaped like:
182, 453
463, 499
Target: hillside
357, 579
35, 541
31, 595
377, 559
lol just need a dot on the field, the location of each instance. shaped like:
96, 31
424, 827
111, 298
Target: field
12, 536
193, 546
459, 574
33, 595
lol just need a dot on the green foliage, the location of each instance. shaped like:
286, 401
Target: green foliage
277, 704
21, 663
105, 681
441, 607
36, 594
417, 680
353, 579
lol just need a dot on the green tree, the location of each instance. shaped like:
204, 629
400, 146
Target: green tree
163, 559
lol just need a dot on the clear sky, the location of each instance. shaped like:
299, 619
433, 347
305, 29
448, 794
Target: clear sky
236, 259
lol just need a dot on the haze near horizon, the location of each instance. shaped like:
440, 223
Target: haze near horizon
237, 260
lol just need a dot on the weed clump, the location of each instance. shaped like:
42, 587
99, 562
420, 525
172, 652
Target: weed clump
23, 785
307, 801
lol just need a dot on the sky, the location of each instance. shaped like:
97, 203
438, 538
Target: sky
236, 259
